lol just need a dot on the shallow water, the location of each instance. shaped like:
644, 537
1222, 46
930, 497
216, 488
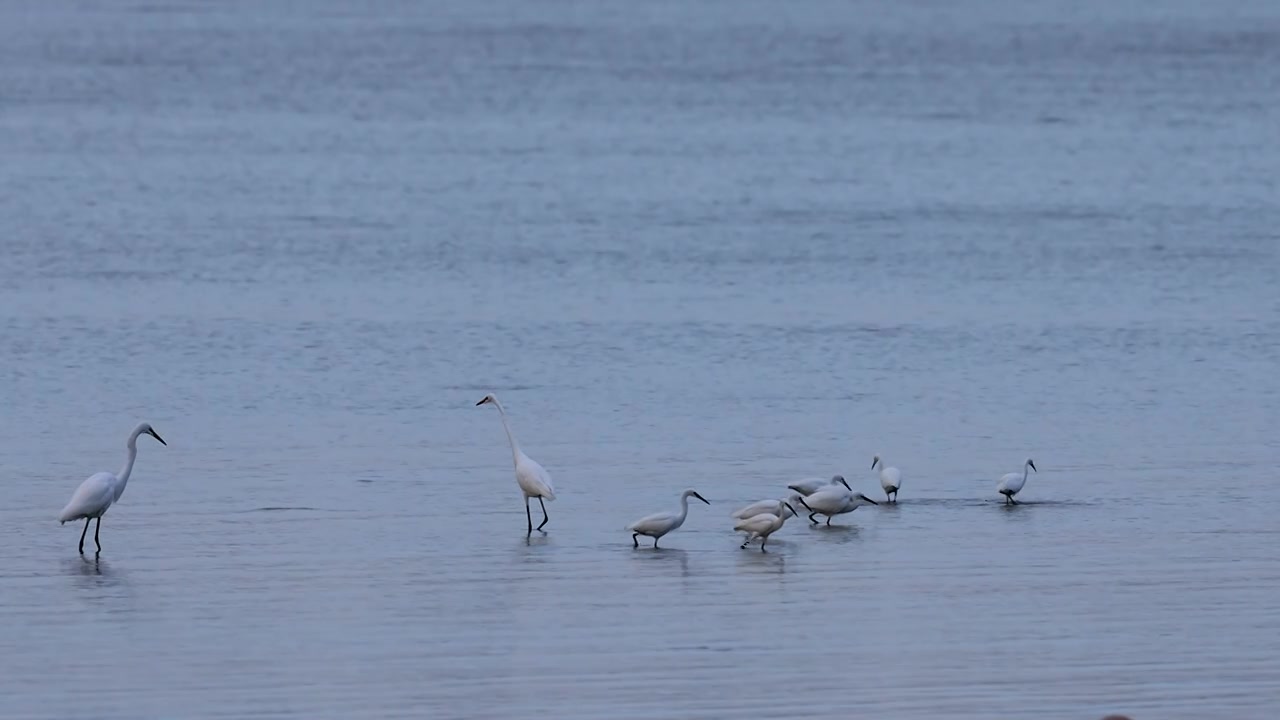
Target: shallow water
720, 247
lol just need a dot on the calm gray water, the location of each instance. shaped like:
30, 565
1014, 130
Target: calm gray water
716, 245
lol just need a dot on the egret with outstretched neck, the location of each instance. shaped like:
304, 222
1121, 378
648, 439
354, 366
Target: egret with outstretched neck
890, 479
1011, 483
835, 501
659, 524
102, 490
533, 479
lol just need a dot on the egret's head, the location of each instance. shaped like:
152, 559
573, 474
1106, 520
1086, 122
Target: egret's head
1031, 464
840, 479
487, 399
788, 506
146, 429
694, 493
864, 498
875, 461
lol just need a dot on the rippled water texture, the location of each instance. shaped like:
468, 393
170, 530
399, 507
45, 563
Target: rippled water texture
718, 246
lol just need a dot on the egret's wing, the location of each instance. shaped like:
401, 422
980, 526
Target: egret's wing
827, 500
1010, 481
756, 508
808, 486
93, 496
756, 523
651, 523
534, 479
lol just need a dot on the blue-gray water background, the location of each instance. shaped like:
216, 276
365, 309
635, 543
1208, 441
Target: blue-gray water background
717, 245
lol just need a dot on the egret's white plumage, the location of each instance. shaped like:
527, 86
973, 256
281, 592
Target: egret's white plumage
103, 489
890, 479
773, 507
659, 524
810, 486
533, 479
835, 501
1011, 483
763, 525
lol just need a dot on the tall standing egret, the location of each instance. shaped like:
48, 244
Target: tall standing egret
890, 479
835, 501
659, 524
813, 485
101, 490
763, 525
533, 479
773, 507
1011, 483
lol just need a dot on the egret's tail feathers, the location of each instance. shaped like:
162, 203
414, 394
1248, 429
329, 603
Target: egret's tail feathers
890, 488
67, 515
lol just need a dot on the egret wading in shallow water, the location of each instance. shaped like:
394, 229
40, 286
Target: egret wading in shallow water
773, 507
835, 501
533, 479
101, 490
1011, 484
659, 524
763, 525
890, 479
813, 485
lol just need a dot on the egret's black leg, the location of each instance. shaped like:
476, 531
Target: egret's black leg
815, 522
527, 516
828, 520
544, 513
743, 546
763, 540
655, 543
82, 534
96, 529
635, 542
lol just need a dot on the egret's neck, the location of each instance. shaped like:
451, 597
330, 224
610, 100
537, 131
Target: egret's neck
684, 506
1025, 469
128, 463
515, 447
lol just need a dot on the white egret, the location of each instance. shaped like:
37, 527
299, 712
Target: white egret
835, 501
1011, 483
890, 479
812, 485
101, 490
763, 525
659, 524
773, 507
533, 479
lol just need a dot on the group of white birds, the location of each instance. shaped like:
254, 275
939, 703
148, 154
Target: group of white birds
756, 521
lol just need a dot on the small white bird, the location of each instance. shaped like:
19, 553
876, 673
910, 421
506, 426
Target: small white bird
810, 486
101, 490
763, 525
659, 524
834, 501
890, 479
1011, 483
773, 507
533, 479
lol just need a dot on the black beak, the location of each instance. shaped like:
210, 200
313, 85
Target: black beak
793, 510
846, 485
479, 403
162, 442
1033, 466
873, 463
864, 497
702, 498
805, 504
